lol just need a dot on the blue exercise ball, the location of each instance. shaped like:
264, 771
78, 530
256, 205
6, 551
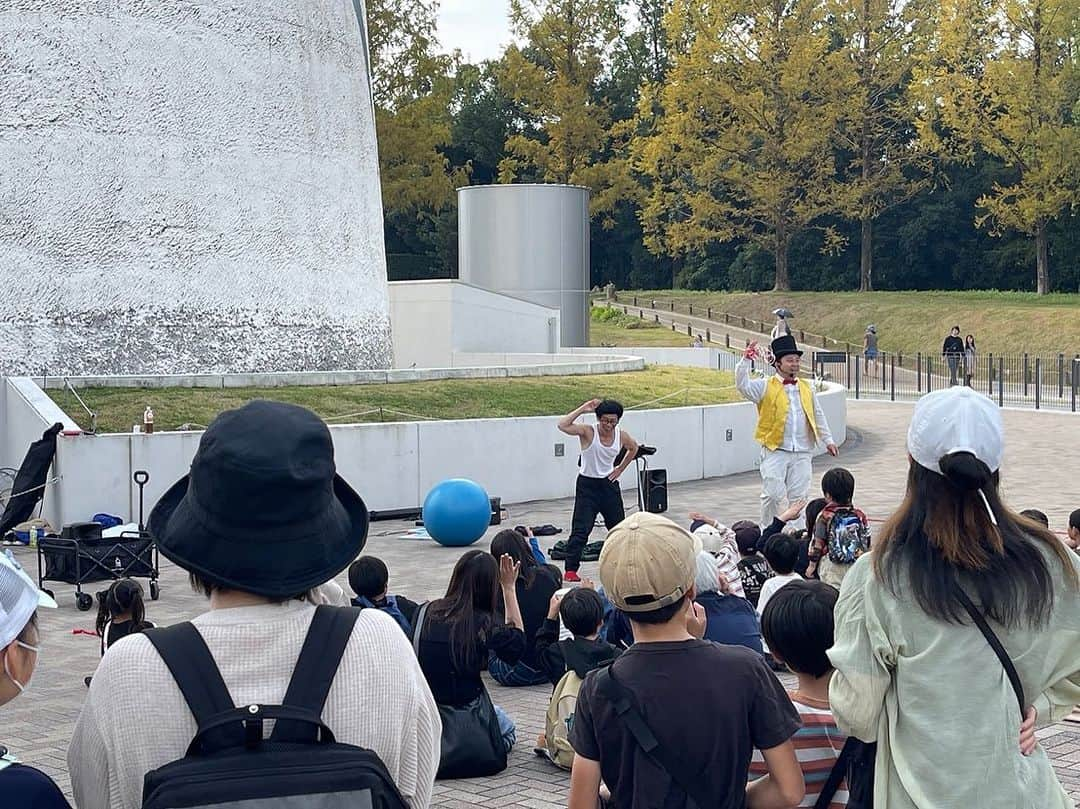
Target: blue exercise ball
457, 512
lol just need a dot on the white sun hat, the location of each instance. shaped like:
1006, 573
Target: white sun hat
956, 419
19, 598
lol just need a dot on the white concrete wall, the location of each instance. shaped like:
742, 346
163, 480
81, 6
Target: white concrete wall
704, 357
394, 465
433, 320
189, 187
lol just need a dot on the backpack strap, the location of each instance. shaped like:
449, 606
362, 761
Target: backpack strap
419, 625
836, 775
999, 650
327, 636
192, 666
627, 711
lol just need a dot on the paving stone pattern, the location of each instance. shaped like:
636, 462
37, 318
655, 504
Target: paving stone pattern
37, 726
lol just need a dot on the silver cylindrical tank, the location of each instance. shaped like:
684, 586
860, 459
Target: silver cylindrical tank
532, 242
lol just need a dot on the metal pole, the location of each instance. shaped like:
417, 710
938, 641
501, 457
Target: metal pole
990, 372
858, 375
708, 313
929, 374
918, 372
848, 370
1075, 368
1038, 382
883, 388
892, 378
691, 308
727, 341
1001, 381
1061, 376
1025, 375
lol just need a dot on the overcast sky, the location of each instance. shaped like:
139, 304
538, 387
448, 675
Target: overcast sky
478, 28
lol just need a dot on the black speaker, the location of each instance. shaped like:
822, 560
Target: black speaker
653, 484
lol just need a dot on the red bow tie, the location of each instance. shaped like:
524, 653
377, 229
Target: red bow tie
791, 381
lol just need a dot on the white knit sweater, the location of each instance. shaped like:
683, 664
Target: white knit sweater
135, 719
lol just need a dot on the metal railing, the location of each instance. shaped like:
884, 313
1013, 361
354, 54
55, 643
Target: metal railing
1040, 381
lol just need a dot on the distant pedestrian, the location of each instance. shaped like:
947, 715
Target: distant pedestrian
969, 359
870, 350
781, 328
953, 352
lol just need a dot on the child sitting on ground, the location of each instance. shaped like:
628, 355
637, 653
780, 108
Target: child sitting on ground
567, 662
368, 577
121, 612
841, 532
798, 626
782, 554
753, 569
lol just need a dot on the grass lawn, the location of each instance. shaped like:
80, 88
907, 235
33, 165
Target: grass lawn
1002, 322
119, 408
623, 330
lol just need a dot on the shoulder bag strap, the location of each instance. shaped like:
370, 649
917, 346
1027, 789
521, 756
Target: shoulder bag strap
192, 666
327, 636
420, 615
999, 650
836, 776
627, 711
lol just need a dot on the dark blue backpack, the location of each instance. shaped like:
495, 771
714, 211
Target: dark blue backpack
229, 762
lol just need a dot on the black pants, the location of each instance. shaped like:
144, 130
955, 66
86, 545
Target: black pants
593, 496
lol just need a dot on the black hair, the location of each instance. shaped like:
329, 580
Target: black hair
942, 538
368, 577
1036, 515
609, 407
1074, 520
124, 595
658, 616
782, 553
798, 626
813, 510
204, 586
469, 607
582, 610
510, 542
839, 484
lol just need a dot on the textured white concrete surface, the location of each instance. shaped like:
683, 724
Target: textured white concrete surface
188, 187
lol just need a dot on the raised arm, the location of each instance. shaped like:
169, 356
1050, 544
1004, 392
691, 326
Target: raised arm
568, 425
752, 389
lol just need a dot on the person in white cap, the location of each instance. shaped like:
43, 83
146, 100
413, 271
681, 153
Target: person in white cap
20, 785
915, 667
708, 706
791, 424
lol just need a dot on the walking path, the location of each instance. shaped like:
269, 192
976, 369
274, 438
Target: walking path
38, 725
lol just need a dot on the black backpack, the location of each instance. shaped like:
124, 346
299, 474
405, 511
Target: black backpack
300, 766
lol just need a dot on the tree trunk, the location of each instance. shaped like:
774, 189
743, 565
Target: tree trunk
866, 255
1042, 259
780, 252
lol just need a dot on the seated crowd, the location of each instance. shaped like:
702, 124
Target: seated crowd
663, 691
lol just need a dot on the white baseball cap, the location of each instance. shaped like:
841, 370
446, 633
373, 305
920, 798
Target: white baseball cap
956, 419
19, 598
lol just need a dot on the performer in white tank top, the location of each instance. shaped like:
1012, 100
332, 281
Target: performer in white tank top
597, 490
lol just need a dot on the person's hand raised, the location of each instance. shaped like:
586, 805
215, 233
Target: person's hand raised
793, 511
591, 405
751, 350
508, 570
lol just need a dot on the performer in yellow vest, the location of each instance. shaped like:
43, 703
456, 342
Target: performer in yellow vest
790, 425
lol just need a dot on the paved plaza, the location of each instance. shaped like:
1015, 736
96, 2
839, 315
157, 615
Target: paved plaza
1041, 453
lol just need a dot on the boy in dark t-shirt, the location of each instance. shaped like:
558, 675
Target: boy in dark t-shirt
753, 569
709, 706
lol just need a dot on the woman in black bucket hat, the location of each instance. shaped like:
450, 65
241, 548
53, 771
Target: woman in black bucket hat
262, 510
259, 522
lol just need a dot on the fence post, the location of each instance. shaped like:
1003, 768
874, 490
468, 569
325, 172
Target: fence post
635, 300
727, 319
691, 308
847, 382
929, 374
918, 372
857, 375
689, 330
743, 320
1026, 367
708, 337
1038, 382
882, 363
625, 311
1075, 368
1001, 381
727, 340
892, 378
708, 313
641, 314
672, 306
990, 372
1061, 376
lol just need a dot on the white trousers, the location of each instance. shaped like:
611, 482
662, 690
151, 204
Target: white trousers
785, 478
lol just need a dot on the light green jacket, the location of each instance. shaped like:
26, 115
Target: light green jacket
938, 703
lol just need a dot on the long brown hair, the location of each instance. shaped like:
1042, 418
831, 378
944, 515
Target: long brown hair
942, 538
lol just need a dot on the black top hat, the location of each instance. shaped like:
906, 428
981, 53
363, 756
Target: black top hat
784, 345
262, 510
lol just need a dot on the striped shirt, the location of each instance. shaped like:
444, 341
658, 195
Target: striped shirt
817, 746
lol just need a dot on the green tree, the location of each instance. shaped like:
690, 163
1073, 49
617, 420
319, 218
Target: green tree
879, 39
1003, 76
742, 149
554, 79
412, 86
